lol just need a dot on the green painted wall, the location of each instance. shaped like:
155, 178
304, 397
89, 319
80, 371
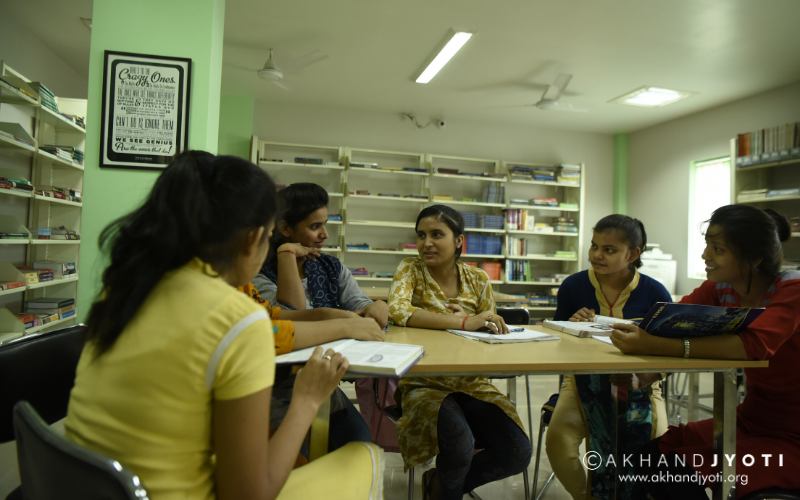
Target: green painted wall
235, 125
620, 191
180, 28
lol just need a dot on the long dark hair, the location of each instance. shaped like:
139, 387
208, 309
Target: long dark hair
201, 206
753, 234
297, 202
630, 231
450, 216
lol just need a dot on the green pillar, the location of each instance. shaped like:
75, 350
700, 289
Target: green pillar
235, 125
620, 190
181, 28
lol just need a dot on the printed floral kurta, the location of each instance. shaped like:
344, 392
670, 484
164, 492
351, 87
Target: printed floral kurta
283, 330
414, 288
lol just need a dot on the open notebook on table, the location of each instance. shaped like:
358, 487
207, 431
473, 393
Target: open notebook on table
366, 358
517, 335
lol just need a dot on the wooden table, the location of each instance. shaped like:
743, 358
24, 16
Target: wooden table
382, 293
448, 354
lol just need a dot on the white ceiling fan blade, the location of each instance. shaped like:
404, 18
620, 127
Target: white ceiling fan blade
553, 91
282, 84
302, 62
548, 105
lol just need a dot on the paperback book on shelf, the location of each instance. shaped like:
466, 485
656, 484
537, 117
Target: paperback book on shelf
671, 320
366, 358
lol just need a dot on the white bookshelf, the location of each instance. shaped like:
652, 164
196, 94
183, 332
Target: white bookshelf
389, 221
42, 170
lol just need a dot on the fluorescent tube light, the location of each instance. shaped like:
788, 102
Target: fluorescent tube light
652, 97
447, 53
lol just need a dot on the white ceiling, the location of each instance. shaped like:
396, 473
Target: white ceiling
722, 49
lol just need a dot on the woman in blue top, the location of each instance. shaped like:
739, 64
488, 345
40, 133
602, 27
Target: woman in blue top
586, 407
298, 276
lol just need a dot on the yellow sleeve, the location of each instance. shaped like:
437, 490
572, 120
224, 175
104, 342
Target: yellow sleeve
401, 293
248, 363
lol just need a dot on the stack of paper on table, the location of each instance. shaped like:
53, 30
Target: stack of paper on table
511, 338
366, 358
583, 329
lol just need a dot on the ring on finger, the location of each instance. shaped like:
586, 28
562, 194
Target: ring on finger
329, 358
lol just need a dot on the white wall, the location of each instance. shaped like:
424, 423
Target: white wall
30, 56
362, 129
660, 158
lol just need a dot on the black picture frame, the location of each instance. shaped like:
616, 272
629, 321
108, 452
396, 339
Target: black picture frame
145, 111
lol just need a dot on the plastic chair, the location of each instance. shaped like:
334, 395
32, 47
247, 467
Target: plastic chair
547, 413
39, 368
52, 467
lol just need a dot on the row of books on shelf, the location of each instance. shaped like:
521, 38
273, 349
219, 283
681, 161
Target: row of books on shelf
38, 272
479, 244
37, 90
455, 171
17, 184
375, 166
363, 272
522, 220
547, 298
42, 233
765, 194
365, 192
781, 142
567, 174
523, 271
474, 221
66, 153
403, 247
38, 312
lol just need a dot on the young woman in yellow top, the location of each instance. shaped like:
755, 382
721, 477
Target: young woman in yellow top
451, 417
175, 378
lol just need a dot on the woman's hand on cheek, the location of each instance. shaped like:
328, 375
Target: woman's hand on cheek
630, 339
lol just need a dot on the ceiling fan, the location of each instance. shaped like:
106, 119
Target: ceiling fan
272, 73
549, 100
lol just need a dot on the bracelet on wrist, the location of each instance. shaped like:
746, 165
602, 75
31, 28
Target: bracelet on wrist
463, 323
290, 251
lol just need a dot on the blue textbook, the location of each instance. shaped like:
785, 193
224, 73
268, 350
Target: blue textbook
679, 321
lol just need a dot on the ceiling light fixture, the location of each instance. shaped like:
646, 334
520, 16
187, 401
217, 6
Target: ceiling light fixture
652, 97
447, 52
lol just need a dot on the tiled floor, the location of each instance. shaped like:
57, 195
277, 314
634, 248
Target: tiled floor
395, 480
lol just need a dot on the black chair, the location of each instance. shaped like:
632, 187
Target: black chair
547, 413
39, 368
52, 467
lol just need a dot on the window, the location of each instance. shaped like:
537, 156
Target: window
709, 189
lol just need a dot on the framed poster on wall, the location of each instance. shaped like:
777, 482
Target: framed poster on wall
145, 116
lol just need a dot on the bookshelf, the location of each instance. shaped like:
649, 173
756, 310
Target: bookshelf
377, 209
773, 166
32, 120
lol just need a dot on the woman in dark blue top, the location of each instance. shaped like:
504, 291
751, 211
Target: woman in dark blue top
587, 407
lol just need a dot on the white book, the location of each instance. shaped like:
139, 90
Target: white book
583, 329
366, 358
520, 335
